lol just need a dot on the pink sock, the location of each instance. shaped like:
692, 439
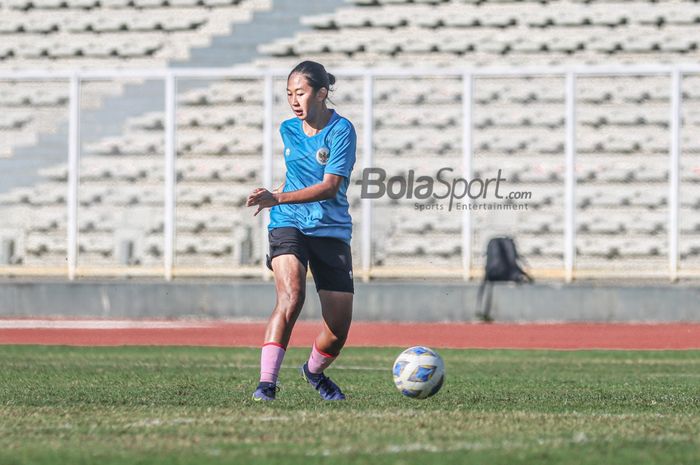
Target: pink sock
271, 358
319, 361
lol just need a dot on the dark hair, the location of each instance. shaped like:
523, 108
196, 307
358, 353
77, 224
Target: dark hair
315, 74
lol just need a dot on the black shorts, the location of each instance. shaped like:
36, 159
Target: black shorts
330, 258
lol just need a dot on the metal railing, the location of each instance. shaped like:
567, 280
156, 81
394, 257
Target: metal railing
467, 75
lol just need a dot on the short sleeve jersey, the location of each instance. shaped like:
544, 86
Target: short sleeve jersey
307, 159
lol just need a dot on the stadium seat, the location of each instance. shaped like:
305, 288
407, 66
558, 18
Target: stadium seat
643, 247
594, 94
216, 246
9, 121
55, 173
676, 44
689, 249
101, 245
240, 171
51, 220
537, 175
406, 247
586, 247
41, 244
321, 21
542, 223
601, 224
534, 247
48, 194
96, 220
408, 222
417, 117
152, 121
687, 15
689, 224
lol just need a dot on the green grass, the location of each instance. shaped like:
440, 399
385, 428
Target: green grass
135, 405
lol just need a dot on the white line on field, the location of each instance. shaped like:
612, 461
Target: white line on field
578, 437
238, 366
147, 422
457, 446
333, 367
101, 324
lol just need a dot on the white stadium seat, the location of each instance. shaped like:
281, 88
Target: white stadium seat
39, 244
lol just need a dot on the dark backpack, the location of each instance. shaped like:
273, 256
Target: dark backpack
502, 264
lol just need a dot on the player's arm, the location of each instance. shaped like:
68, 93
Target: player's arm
324, 190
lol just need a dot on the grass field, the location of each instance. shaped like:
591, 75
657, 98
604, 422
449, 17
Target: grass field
134, 405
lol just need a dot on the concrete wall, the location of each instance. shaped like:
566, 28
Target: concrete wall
385, 300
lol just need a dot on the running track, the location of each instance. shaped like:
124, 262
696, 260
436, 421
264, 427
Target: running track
455, 335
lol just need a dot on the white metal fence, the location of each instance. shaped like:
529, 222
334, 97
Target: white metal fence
170, 79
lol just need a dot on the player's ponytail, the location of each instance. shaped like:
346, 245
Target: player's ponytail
315, 74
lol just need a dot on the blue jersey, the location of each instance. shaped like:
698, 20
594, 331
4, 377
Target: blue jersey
307, 159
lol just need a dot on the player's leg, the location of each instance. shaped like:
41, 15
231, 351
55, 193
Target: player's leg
290, 284
289, 267
331, 265
336, 308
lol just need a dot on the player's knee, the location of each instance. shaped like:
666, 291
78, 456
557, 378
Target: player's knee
340, 341
338, 337
290, 303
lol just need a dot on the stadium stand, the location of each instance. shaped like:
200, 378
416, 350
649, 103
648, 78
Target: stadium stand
622, 132
507, 32
99, 34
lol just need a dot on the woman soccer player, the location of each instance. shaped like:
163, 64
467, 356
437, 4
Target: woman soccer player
310, 224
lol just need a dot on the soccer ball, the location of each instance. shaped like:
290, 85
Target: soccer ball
419, 372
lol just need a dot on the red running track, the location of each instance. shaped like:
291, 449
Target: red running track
454, 335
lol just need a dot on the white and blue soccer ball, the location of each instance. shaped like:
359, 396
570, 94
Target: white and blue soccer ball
419, 372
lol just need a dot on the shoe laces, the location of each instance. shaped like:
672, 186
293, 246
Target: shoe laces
270, 390
326, 384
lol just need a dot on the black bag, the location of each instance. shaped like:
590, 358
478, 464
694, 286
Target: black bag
502, 264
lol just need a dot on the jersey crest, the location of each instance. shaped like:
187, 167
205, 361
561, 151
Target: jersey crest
322, 155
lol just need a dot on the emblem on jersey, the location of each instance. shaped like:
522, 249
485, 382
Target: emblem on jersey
322, 155
286, 152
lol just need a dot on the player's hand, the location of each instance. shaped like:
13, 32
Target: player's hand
263, 198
